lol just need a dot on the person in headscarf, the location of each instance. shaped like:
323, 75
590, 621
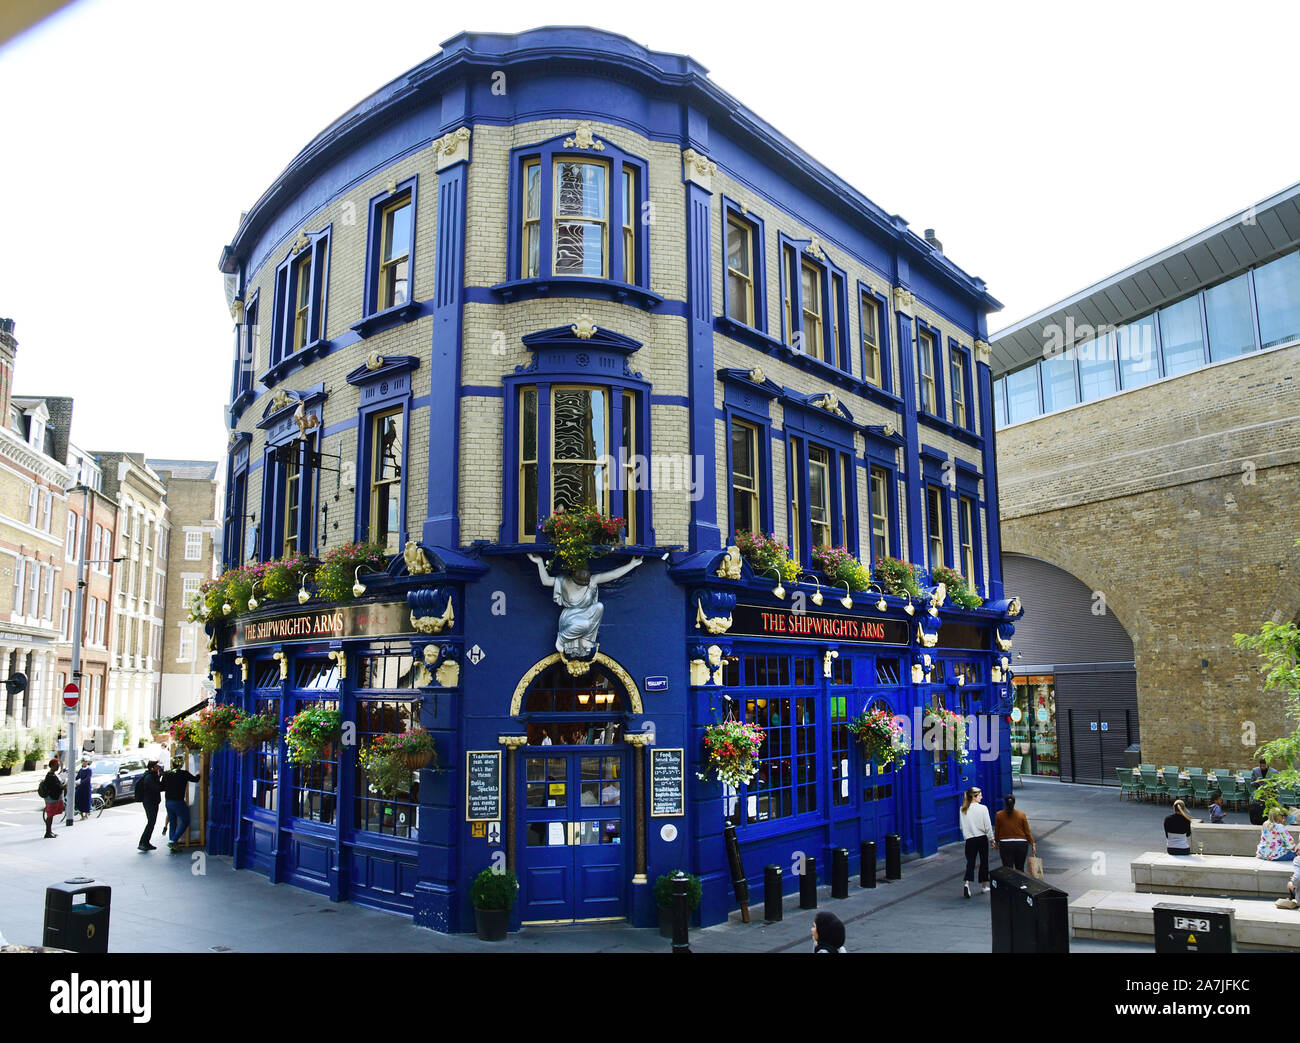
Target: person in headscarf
81, 795
828, 933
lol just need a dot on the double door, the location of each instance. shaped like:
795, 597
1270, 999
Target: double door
574, 843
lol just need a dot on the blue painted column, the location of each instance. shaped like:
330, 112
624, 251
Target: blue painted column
442, 523
992, 521
912, 474
704, 532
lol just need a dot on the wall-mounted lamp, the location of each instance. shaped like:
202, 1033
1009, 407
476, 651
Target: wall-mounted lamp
252, 601
304, 595
359, 588
816, 598
909, 608
881, 604
778, 590
847, 599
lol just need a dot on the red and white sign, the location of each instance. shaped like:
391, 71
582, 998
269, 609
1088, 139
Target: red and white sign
71, 693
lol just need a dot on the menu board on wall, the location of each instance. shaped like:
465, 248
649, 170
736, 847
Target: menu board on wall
667, 782
482, 785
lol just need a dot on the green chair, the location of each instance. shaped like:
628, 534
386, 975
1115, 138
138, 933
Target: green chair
1151, 785
1287, 797
1195, 771
1234, 792
1142, 767
1130, 785
1176, 788
1201, 789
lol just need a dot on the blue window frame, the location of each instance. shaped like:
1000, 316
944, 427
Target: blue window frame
314, 793
238, 523
383, 430
929, 371
578, 213
289, 475
744, 272
938, 477
386, 700
814, 309
247, 348
962, 387
969, 552
389, 296
873, 327
820, 479
301, 301
883, 525
746, 408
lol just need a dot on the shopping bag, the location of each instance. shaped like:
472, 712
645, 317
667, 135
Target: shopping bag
1034, 867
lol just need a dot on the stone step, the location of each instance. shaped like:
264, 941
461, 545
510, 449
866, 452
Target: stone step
1158, 871
1231, 838
1128, 917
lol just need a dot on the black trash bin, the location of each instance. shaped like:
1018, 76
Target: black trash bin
76, 915
1028, 915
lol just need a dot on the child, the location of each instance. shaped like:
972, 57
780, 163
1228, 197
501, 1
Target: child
1216, 807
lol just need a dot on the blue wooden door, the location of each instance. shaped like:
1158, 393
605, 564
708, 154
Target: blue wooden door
572, 852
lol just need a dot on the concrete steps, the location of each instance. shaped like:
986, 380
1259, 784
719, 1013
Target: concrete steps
1125, 916
1231, 838
1229, 875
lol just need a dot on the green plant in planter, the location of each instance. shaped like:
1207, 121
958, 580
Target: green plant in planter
575, 533
283, 579
212, 729
840, 566
897, 577
765, 553
494, 889
39, 743
959, 592
337, 571
664, 891
252, 730
389, 759
233, 588
311, 732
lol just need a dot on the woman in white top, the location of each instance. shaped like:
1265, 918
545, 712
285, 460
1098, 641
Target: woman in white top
978, 832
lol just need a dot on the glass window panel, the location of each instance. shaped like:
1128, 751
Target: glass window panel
1000, 401
533, 191
1138, 363
397, 237
1022, 394
1180, 336
1097, 367
579, 249
1227, 314
1058, 382
1277, 295
580, 190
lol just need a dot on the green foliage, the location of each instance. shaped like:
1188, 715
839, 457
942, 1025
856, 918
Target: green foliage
1278, 647
311, 732
765, 553
576, 532
13, 740
337, 571
121, 724
40, 741
959, 592
251, 731
840, 566
664, 891
283, 579
494, 889
390, 759
897, 577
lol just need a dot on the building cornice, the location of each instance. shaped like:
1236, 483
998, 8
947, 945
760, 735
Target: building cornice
14, 448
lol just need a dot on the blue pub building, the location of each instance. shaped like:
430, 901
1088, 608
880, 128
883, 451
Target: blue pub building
556, 269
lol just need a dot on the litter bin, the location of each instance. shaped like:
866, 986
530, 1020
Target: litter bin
76, 915
1028, 915
1192, 928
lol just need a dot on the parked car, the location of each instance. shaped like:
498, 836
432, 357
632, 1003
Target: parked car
115, 778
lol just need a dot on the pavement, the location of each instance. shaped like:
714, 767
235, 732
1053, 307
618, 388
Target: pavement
190, 902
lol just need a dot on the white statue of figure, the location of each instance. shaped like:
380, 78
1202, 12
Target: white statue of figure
580, 610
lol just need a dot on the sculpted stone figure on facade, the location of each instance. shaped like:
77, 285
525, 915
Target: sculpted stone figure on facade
580, 609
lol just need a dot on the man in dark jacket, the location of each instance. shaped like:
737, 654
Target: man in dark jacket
51, 791
175, 787
149, 792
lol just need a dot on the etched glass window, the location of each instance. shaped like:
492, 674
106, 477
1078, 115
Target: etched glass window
581, 213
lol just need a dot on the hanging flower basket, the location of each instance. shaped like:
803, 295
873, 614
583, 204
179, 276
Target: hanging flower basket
212, 730
576, 533
953, 731
732, 751
389, 759
881, 736
252, 731
311, 732
185, 734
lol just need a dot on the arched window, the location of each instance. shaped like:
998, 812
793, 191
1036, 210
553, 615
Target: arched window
563, 710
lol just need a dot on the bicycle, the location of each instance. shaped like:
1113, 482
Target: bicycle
97, 804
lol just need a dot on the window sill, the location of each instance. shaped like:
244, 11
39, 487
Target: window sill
769, 345
300, 358
242, 401
962, 434
576, 286
387, 319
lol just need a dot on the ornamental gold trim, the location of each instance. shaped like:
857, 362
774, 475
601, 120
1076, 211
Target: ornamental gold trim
633, 692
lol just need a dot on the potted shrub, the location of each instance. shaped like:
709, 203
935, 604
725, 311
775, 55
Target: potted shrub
881, 736
390, 759
959, 592
251, 730
281, 580
953, 730
576, 533
493, 894
212, 730
311, 732
664, 899
732, 750
37, 747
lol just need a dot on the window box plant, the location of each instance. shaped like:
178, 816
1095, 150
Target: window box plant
959, 592
881, 736
336, 574
390, 759
576, 534
765, 553
664, 899
493, 894
311, 732
251, 730
732, 751
839, 566
898, 577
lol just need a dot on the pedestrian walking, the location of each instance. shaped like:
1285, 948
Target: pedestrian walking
1178, 830
978, 831
175, 787
51, 791
828, 933
1012, 833
81, 795
61, 747
149, 792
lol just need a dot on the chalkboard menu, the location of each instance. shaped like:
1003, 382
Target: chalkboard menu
482, 785
667, 782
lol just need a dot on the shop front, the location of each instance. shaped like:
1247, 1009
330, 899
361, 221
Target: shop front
1033, 724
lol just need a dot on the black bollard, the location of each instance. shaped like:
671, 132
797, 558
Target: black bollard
739, 883
772, 908
893, 857
681, 914
808, 884
840, 873
868, 863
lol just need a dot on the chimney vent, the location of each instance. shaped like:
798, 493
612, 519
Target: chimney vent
929, 238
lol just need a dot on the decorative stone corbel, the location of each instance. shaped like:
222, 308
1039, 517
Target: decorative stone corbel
713, 621
242, 663
904, 302
983, 353
512, 742
427, 601
341, 657
729, 568
374, 360
829, 402
303, 241
698, 168
453, 147
637, 738
757, 375
283, 660
216, 680
417, 562
815, 249
584, 138
584, 327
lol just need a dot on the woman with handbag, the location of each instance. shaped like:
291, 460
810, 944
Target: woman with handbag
51, 790
977, 831
1011, 830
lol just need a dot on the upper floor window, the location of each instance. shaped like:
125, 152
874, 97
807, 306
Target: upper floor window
193, 546
395, 252
581, 218
810, 282
302, 302
291, 497
934, 525
70, 545
966, 537
387, 459
740, 270
33, 498
958, 364
880, 543
300, 296
288, 507
925, 352
745, 488
819, 495
872, 361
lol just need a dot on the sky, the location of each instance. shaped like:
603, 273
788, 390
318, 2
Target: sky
1048, 144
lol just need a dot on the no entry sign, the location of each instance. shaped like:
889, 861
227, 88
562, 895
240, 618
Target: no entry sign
71, 693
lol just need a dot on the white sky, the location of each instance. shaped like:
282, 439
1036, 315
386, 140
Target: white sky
1048, 145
